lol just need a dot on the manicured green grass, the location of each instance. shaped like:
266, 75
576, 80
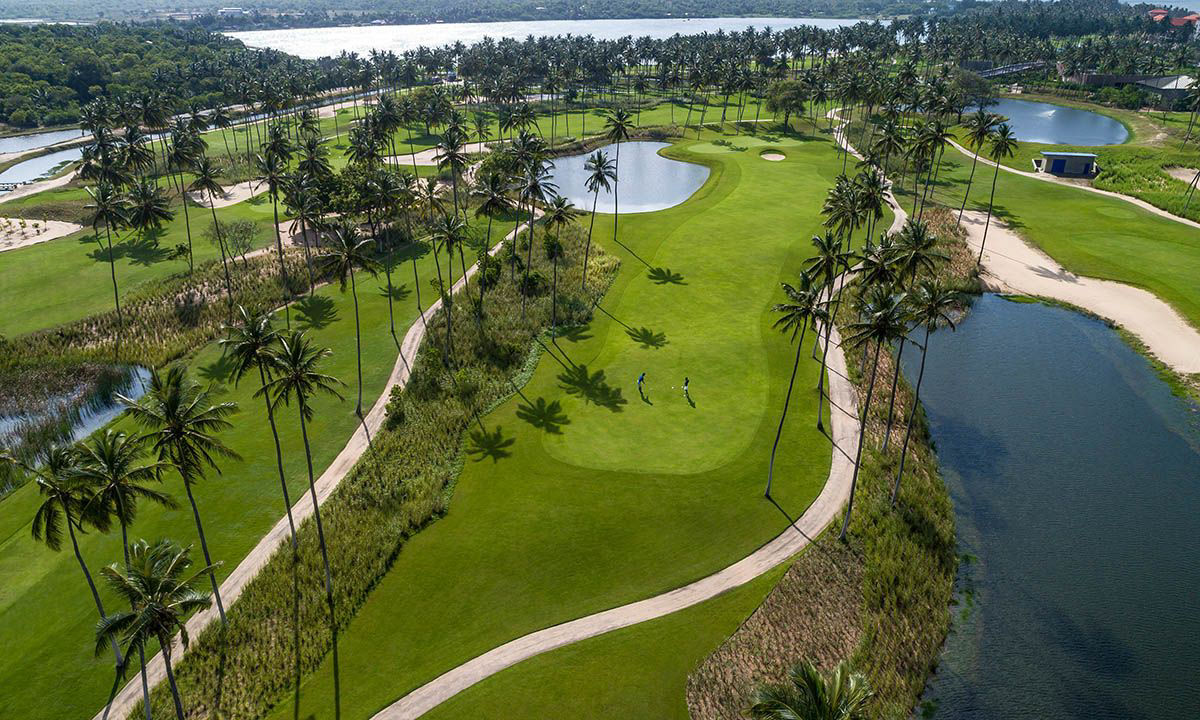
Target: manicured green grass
67, 279
636, 672
46, 614
1087, 233
615, 505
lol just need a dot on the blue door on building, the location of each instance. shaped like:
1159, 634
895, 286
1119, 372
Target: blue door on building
1058, 165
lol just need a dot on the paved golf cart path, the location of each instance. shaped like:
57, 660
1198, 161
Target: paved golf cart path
257, 558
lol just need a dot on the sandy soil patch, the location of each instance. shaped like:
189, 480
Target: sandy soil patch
428, 157
233, 195
773, 156
13, 236
1182, 173
1010, 264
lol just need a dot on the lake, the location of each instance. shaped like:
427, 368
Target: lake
21, 143
39, 167
1041, 122
1075, 475
318, 42
647, 181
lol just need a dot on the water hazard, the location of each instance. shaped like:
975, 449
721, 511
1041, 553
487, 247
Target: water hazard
647, 181
1041, 122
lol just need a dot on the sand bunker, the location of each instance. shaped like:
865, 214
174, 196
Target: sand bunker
773, 156
1182, 173
14, 235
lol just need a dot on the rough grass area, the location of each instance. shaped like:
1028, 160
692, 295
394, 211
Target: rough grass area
396, 489
880, 598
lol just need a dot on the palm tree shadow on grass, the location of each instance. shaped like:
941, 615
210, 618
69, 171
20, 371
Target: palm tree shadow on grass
547, 416
399, 292
591, 387
483, 444
665, 276
315, 312
647, 338
141, 251
220, 370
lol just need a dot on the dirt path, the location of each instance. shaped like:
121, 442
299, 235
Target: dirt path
11, 239
1045, 177
1012, 265
37, 187
428, 157
827, 506
256, 559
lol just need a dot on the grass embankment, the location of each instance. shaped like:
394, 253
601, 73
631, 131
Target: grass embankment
46, 615
611, 499
1139, 167
881, 598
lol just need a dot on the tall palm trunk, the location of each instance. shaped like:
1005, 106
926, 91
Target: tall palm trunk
112, 267
165, 643
88, 576
141, 649
588, 246
887, 432
988, 221
357, 342
837, 300
224, 260
282, 267
312, 489
212, 575
787, 399
970, 179
911, 416
862, 435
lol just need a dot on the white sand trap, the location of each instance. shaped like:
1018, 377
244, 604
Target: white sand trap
233, 194
13, 236
1011, 264
1182, 173
773, 156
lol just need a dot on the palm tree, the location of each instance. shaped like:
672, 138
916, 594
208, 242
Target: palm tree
809, 695
109, 208
273, 168
980, 126
205, 182
295, 374
64, 502
148, 208
452, 156
803, 307
602, 173
161, 595
111, 464
931, 305
182, 423
186, 147
536, 187
559, 214
829, 264
346, 251
884, 320
617, 126
492, 191
1004, 145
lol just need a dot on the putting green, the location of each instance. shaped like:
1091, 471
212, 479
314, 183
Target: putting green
619, 499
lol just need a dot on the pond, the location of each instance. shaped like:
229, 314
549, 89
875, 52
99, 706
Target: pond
316, 42
647, 181
1041, 122
21, 143
40, 167
1075, 475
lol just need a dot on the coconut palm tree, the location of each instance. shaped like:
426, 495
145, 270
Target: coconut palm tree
1004, 145
451, 155
347, 250
205, 182
617, 126
108, 207
803, 307
559, 214
536, 188
830, 264
492, 191
186, 146
601, 174
64, 504
182, 423
111, 463
980, 126
147, 208
295, 374
884, 319
809, 695
273, 168
161, 596
931, 305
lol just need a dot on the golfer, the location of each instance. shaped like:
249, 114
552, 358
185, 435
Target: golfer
641, 381
685, 386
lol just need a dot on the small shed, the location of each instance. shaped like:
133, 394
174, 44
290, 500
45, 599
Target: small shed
1074, 164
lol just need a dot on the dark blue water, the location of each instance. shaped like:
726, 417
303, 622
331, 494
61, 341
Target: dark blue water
1059, 125
646, 181
1075, 475
19, 143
